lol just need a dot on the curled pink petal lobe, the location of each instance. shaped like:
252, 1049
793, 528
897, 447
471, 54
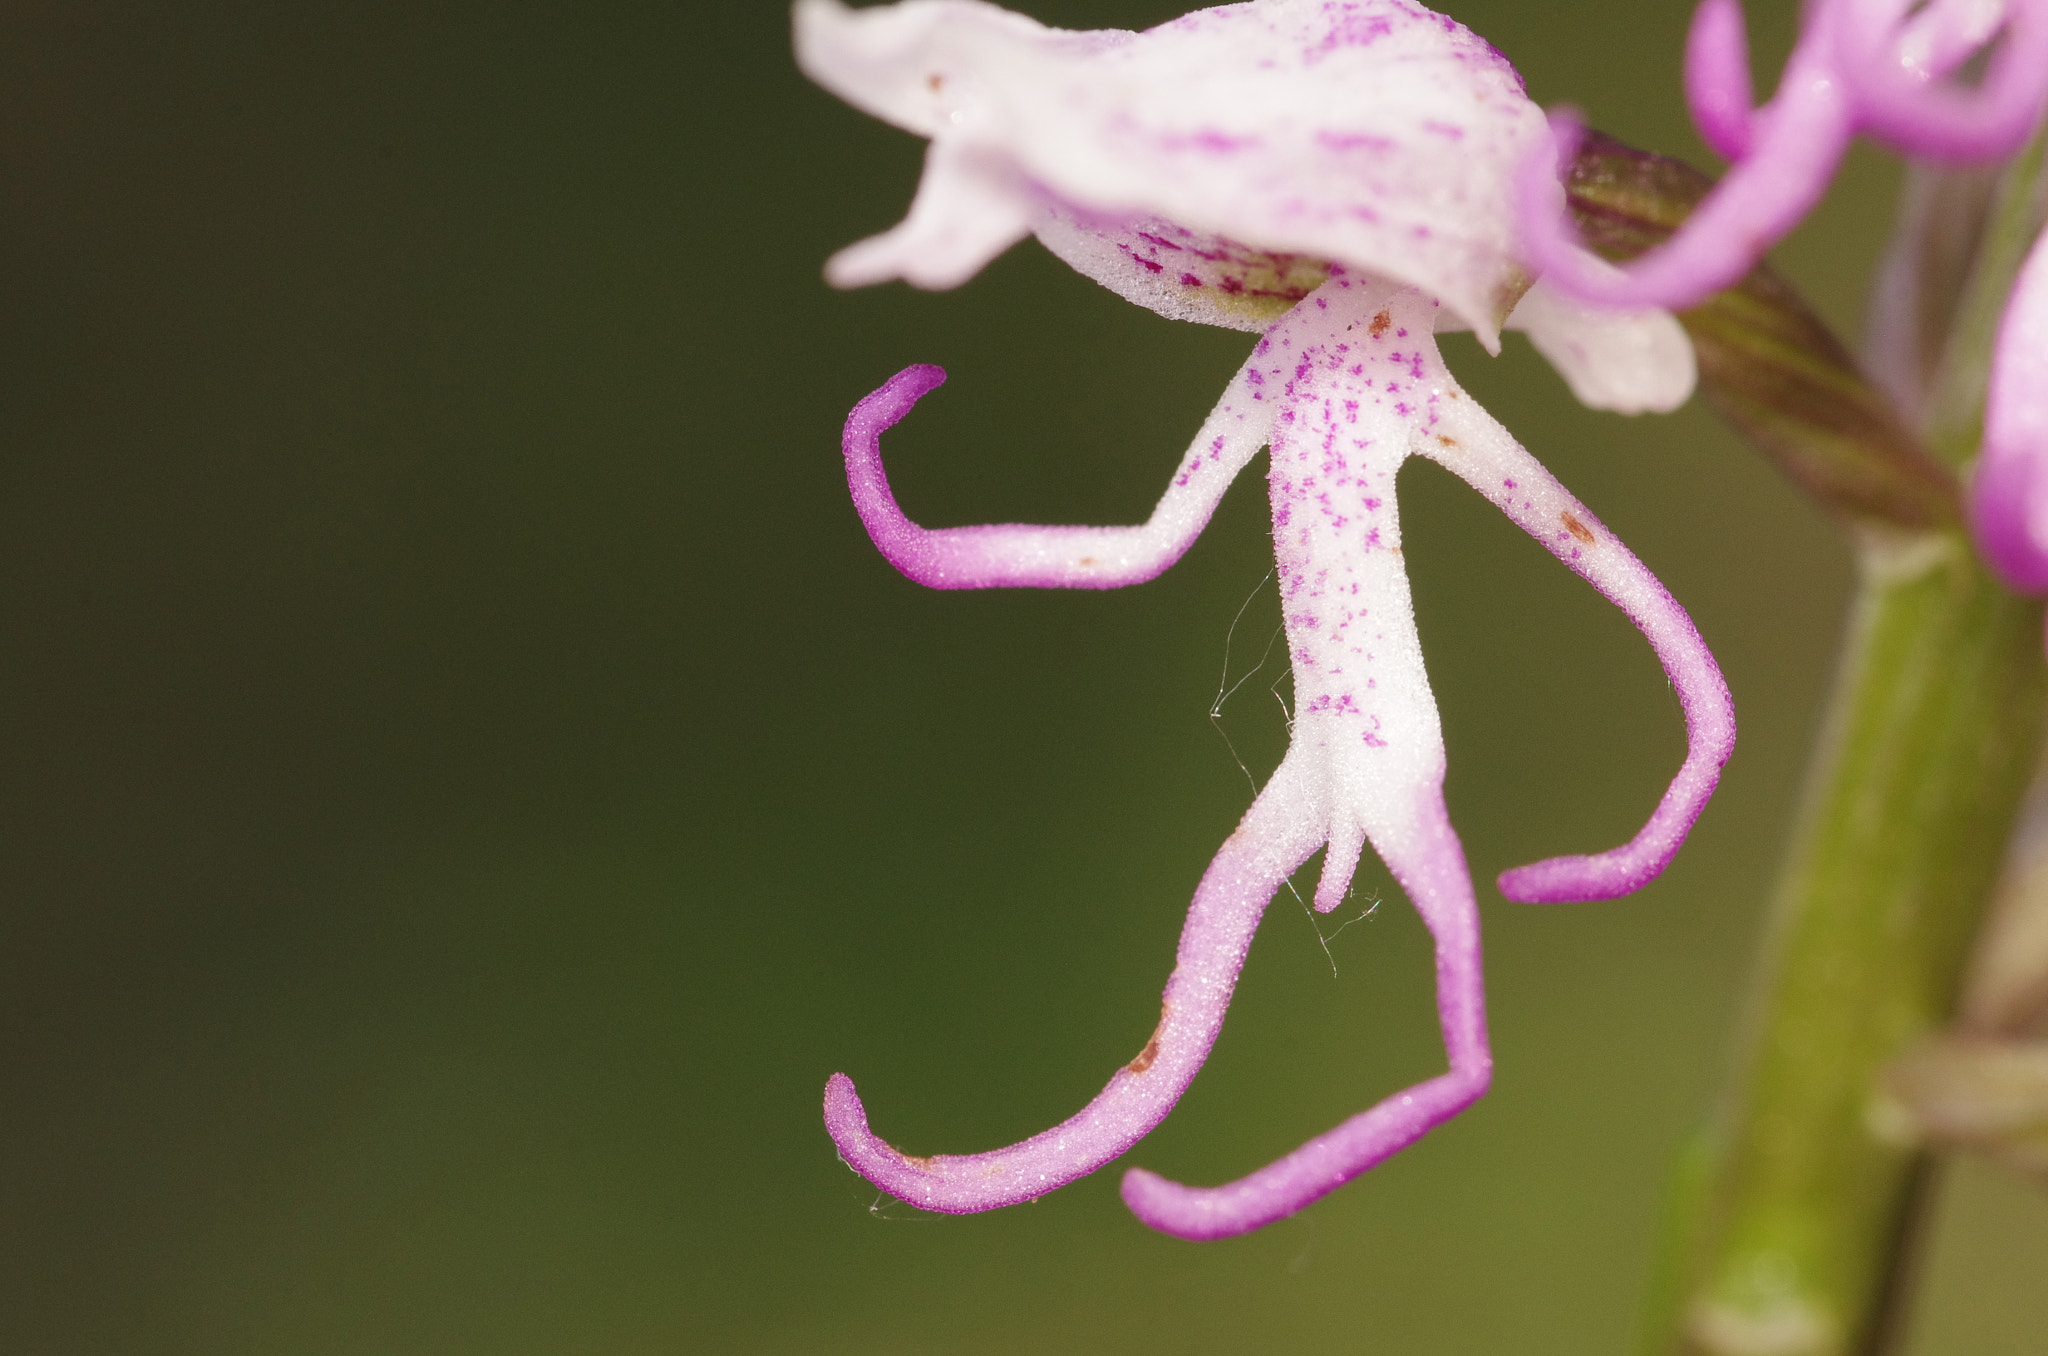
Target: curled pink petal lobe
1717, 86
1798, 141
1277, 835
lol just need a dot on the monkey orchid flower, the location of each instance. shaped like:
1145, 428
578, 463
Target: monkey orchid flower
1334, 175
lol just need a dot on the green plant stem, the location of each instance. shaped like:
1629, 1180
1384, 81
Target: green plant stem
1934, 720
1797, 1219
1794, 1221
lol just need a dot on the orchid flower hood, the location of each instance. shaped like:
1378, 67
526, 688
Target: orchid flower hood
1210, 168
1338, 176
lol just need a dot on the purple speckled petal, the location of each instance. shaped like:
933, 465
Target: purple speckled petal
1181, 274
1425, 857
1717, 86
2009, 492
1019, 555
1371, 132
1278, 834
1875, 66
1488, 458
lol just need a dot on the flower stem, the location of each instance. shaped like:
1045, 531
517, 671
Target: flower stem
1799, 1222
1934, 718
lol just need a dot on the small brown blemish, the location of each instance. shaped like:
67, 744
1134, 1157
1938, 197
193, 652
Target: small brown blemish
912, 1160
1150, 1054
1578, 529
935, 82
1446, 441
1145, 1057
1380, 323
1085, 562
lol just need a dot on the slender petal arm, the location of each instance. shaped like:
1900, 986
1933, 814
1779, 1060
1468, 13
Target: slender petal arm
1472, 445
1426, 859
1277, 835
1020, 555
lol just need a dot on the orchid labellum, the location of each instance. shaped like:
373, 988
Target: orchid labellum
1336, 176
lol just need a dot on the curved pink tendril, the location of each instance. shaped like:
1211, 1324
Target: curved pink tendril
1526, 491
1429, 864
1860, 65
1019, 555
1277, 835
1717, 85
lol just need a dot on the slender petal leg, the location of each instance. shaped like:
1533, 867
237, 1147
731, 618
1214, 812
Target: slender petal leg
1472, 444
1019, 555
1277, 835
1425, 857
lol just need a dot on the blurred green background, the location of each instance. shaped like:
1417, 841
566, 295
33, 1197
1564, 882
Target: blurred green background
466, 778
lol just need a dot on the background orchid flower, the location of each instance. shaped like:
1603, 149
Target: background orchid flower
2009, 492
1897, 73
1337, 176
1874, 66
